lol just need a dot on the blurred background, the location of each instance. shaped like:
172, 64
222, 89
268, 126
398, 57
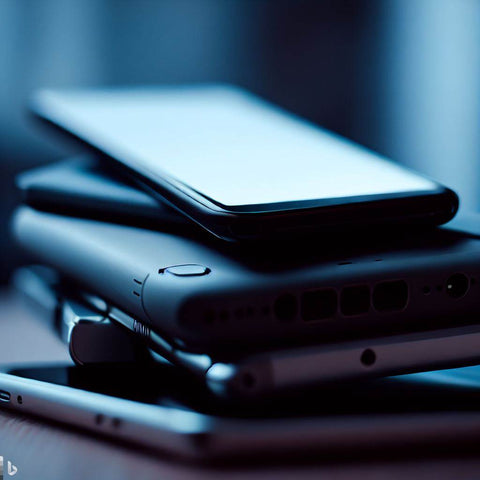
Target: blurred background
399, 76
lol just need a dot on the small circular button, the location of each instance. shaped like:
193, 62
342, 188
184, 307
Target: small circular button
187, 270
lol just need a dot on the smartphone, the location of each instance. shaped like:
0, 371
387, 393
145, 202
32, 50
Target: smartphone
97, 333
84, 186
240, 167
206, 300
179, 417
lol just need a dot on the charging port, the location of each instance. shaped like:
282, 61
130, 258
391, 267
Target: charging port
4, 396
390, 296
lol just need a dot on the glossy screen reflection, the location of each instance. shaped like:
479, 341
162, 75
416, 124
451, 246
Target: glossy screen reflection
227, 145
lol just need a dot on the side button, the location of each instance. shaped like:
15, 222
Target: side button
187, 270
4, 396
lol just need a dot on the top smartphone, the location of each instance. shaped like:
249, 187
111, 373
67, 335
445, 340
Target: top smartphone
241, 167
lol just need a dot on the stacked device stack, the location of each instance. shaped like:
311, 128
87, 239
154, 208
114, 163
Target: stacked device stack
334, 268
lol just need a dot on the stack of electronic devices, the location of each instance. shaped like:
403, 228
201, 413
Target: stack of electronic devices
213, 247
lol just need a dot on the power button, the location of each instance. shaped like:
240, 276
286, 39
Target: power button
186, 270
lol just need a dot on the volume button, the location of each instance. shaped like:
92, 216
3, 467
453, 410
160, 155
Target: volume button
4, 396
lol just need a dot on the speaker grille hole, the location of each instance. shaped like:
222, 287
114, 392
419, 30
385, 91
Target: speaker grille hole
368, 357
457, 285
355, 300
209, 317
239, 313
285, 307
393, 295
319, 304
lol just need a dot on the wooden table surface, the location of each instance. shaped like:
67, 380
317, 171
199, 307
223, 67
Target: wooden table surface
42, 450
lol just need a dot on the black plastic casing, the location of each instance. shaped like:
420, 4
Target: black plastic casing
242, 300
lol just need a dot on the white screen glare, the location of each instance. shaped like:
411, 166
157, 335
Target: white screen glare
226, 144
